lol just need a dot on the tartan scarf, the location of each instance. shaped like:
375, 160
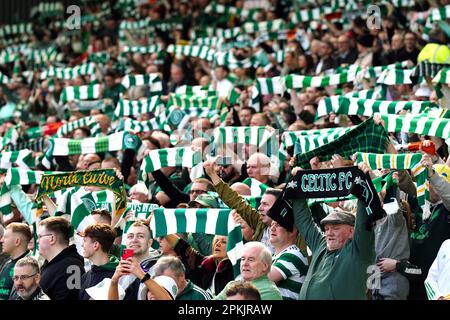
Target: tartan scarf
305, 143
209, 221
402, 162
366, 137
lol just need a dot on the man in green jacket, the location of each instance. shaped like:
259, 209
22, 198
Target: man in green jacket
340, 257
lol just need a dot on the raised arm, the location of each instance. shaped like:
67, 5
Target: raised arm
231, 198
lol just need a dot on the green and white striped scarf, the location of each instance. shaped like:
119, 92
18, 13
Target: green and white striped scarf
375, 72
297, 82
187, 101
142, 49
16, 177
443, 76
77, 203
289, 138
401, 162
368, 107
202, 52
377, 93
152, 80
172, 157
7, 57
70, 73
36, 145
221, 33
41, 56
71, 126
4, 79
395, 76
270, 85
199, 91
10, 137
256, 136
209, 221
253, 27
307, 15
126, 108
87, 92
227, 58
11, 29
99, 57
23, 159
113, 142
248, 14
257, 188
212, 42
436, 127
144, 126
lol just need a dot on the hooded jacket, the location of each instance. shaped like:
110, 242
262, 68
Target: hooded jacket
96, 275
62, 271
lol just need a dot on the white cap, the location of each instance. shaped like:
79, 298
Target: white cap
100, 291
423, 91
164, 281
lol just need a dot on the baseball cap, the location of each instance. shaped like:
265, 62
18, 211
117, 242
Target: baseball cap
205, 200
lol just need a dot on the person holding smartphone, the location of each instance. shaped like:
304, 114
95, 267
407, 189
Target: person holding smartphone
139, 239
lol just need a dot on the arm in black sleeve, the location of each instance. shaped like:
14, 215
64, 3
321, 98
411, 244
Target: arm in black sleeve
407, 269
127, 162
169, 188
64, 163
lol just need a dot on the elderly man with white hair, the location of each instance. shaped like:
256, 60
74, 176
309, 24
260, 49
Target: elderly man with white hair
139, 193
256, 263
258, 168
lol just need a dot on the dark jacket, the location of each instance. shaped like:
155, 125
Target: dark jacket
96, 275
64, 270
204, 268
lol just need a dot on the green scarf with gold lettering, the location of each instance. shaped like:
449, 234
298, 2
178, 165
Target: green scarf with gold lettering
104, 178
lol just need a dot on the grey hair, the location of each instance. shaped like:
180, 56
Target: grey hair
264, 253
172, 263
29, 261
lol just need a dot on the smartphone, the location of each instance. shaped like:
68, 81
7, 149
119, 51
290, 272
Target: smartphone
127, 253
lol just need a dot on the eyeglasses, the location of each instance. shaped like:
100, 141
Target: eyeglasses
197, 191
23, 277
44, 235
